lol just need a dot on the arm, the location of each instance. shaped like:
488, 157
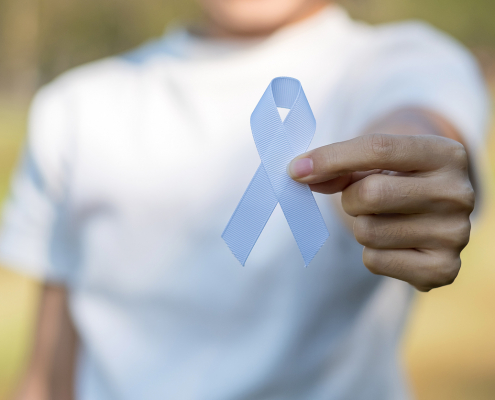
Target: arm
408, 191
50, 371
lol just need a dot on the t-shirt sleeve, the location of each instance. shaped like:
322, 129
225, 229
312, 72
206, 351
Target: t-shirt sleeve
33, 213
413, 65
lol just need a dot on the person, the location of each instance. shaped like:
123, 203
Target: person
134, 164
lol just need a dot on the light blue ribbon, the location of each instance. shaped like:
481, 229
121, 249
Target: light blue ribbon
278, 143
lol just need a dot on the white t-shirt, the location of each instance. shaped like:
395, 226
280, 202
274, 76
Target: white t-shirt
132, 169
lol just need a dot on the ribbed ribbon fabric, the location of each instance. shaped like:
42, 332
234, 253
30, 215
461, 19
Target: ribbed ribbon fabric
278, 143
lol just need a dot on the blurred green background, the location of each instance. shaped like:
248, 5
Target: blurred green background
450, 344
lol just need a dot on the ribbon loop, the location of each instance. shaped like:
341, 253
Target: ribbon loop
278, 143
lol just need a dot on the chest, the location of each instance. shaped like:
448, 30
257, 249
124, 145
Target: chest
158, 148
160, 166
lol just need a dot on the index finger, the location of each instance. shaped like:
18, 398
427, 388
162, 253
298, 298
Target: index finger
401, 153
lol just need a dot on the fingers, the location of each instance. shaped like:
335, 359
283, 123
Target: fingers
378, 151
424, 270
413, 220
386, 194
338, 184
417, 231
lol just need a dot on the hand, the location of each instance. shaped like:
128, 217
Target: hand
411, 196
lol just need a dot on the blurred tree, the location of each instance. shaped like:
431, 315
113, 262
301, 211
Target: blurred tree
19, 35
471, 21
41, 38
76, 31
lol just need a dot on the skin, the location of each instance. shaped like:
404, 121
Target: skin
413, 222
254, 18
407, 191
50, 371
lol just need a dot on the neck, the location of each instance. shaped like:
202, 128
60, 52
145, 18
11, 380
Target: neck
215, 30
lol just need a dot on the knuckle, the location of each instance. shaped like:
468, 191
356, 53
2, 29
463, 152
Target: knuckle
365, 230
458, 154
347, 203
372, 261
371, 192
444, 271
463, 197
380, 145
462, 233
468, 197
455, 194
455, 234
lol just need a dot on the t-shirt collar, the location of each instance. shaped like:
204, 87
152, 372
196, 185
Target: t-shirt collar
186, 45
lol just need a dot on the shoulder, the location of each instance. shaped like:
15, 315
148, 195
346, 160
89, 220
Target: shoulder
417, 40
412, 54
91, 94
111, 75
408, 49
412, 64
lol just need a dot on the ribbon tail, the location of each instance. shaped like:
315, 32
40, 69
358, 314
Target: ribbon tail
251, 215
304, 219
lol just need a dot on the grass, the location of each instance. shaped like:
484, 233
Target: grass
17, 293
449, 347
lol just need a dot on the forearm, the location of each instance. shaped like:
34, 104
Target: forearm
49, 374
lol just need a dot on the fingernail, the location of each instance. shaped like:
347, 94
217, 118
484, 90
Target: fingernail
301, 167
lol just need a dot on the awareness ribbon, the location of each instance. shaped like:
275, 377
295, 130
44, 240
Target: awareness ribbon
278, 143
